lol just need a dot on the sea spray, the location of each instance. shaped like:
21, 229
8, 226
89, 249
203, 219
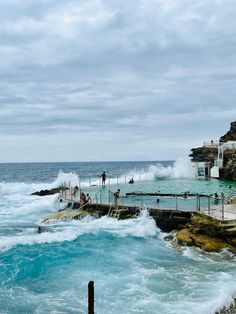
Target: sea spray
181, 168
59, 231
70, 179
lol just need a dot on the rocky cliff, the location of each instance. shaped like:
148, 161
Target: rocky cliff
204, 154
228, 172
208, 153
231, 134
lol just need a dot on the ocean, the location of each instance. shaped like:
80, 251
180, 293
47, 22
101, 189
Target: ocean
134, 269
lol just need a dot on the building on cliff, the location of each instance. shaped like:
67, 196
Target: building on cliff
217, 159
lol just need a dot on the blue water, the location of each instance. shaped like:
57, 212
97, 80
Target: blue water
134, 269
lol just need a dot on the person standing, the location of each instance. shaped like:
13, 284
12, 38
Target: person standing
116, 196
88, 198
82, 199
103, 176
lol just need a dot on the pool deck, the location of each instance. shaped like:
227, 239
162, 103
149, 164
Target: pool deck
222, 213
229, 212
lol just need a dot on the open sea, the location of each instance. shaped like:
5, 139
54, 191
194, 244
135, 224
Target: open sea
133, 268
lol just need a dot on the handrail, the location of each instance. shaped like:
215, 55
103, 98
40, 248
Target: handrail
230, 196
82, 206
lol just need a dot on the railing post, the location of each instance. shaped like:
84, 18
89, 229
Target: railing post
223, 202
91, 297
176, 202
199, 203
209, 205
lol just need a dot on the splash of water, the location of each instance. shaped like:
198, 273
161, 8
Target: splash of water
142, 226
182, 169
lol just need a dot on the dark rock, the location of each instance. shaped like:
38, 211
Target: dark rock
228, 172
201, 154
47, 192
231, 134
168, 220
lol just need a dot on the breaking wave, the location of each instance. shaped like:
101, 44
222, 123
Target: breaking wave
180, 169
142, 226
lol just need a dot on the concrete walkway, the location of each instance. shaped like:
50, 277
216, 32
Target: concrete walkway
229, 212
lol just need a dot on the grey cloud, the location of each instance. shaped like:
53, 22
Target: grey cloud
125, 70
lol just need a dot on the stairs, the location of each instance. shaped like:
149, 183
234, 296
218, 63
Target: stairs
114, 213
228, 227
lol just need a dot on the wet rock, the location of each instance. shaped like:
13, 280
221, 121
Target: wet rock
47, 192
228, 310
203, 241
206, 233
185, 237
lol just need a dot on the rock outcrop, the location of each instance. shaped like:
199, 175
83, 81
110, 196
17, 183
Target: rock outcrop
201, 154
228, 172
209, 154
206, 233
231, 134
47, 192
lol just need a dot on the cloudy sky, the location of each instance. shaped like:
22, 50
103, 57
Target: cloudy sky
94, 80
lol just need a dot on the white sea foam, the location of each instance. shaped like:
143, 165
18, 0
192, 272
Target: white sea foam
181, 169
143, 226
223, 294
197, 254
69, 179
7, 188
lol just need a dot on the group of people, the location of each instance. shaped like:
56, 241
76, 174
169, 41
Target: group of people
186, 193
84, 199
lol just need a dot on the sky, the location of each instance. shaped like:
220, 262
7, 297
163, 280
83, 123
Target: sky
100, 80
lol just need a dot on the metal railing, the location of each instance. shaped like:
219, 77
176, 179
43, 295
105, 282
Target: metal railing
142, 199
229, 197
206, 203
212, 143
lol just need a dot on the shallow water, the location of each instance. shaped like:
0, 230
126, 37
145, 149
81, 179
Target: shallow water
134, 269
